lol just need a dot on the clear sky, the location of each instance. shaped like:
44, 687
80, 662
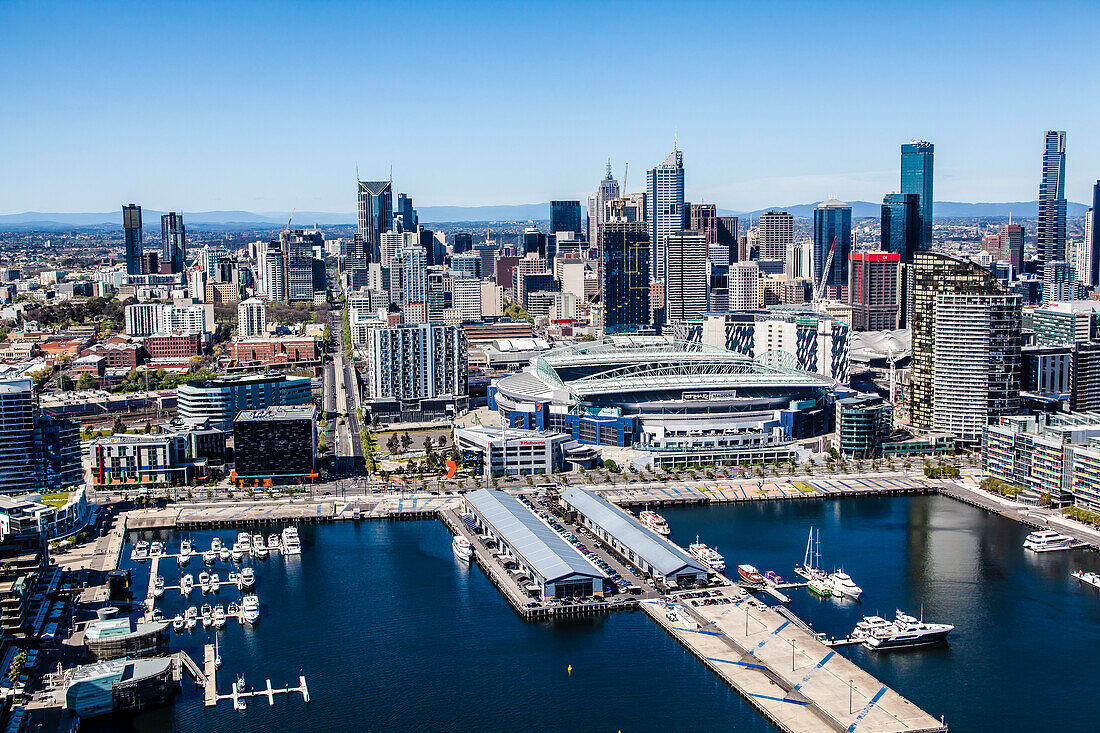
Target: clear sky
262, 106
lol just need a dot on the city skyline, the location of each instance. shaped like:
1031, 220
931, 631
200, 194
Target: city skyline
79, 142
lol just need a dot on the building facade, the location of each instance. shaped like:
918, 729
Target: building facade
173, 240
131, 232
874, 290
686, 280
832, 232
219, 400
664, 201
624, 256
917, 160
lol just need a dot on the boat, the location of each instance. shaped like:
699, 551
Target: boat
259, 550
247, 579
140, 551
258, 541
842, 585
177, 623
244, 539
750, 575
207, 615
238, 688
1084, 576
217, 653
868, 626
186, 551
224, 554
215, 582
237, 553
817, 581
234, 578
156, 549
219, 616
906, 631
655, 522
233, 610
462, 549
1047, 541
273, 542
291, 543
158, 586
187, 582
210, 556
708, 556
191, 618
773, 577
216, 544
250, 606
819, 586
204, 581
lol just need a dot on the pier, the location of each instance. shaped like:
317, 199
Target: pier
784, 671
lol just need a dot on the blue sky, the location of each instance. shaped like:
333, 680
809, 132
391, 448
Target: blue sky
268, 105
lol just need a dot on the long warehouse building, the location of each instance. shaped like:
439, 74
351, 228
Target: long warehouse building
557, 568
650, 552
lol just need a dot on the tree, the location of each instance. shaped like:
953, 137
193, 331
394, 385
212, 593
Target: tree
393, 444
406, 441
442, 441
429, 452
119, 426
610, 465
86, 381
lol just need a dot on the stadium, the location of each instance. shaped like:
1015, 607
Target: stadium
686, 402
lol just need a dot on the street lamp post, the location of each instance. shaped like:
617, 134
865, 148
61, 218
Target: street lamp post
850, 696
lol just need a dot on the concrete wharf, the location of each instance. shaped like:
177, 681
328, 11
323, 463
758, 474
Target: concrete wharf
786, 672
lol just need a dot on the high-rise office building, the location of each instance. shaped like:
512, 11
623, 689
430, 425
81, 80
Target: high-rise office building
1007, 245
744, 286
664, 202
728, 235
173, 242
534, 242
598, 205
775, 235
1051, 232
565, 216
686, 277
1092, 240
703, 218
916, 177
874, 290
36, 453
462, 242
375, 217
900, 225
131, 231
936, 274
298, 247
625, 272
405, 216
832, 231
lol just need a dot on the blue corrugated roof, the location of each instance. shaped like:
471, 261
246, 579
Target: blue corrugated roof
661, 554
543, 550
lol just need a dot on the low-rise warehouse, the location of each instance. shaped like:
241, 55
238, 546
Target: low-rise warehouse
650, 552
556, 568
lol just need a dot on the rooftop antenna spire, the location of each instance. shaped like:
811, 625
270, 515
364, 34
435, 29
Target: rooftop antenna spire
357, 179
675, 139
609, 166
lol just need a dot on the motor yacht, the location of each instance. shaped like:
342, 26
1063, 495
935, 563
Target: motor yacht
215, 582
244, 539
224, 554
462, 549
841, 584
247, 579
237, 553
250, 607
219, 616
210, 556
291, 543
177, 623
1047, 541
204, 582
273, 542
750, 575
257, 541
655, 522
259, 550
906, 631
156, 549
158, 586
140, 551
191, 618
207, 615
187, 582
186, 551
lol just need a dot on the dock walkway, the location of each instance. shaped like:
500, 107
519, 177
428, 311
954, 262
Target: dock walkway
787, 674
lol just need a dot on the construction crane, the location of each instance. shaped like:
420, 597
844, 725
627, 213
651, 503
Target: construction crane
626, 169
825, 273
287, 229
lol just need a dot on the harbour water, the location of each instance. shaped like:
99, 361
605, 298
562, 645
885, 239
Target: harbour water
393, 634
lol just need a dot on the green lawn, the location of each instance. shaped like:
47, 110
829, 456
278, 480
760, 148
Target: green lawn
58, 500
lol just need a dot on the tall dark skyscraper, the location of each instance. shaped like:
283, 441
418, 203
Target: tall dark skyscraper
916, 177
173, 241
375, 217
131, 229
900, 227
534, 242
1094, 235
832, 219
565, 216
625, 253
462, 242
406, 213
727, 235
1051, 232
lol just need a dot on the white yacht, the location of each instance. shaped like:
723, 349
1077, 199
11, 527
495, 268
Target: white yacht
273, 542
140, 551
207, 615
250, 606
191, 618
1085, 576
868, 626
259, 550
841, 584
1047, 541
158, 586
257, 541
219, 616
247, 579
462, 549
708, 556
204, 582
156, 549
244, 539
187, 582
216, 544
210, 556
177, 623
237, 553
215, 582
906, 631
291, 544
224, 554
655, 522
186, 551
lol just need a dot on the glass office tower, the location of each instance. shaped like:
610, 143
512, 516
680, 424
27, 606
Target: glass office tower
916, 177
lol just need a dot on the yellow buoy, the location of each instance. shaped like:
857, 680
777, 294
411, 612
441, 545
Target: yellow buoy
570, 669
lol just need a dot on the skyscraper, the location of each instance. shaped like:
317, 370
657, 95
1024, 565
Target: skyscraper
625, 272
1051, 232
606, 192
131, 230
664, 201
900, 226
173, 241
1007, 245
775, 235
406, 214
874, 290
832, 221
936, 274
728, 235
703, 218
462, 242
565, 216
686, 278
297, 248
534, 241
916, 177
375, 216
1093, 241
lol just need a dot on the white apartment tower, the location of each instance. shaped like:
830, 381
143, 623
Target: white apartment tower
775, 235
686, 277
251, 318
664, 207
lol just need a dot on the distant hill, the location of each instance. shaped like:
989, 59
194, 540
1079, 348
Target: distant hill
432, 214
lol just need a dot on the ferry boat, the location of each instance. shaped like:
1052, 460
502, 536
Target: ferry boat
191, 618
187, 582
841, 584
708, 556
250, 607
1086, 577
140, 551
204, 581
654, 522
462, 549
219, 616
247, 579
750, 575
1047, 541
291, 544
158, 586
177, 623
906, 631
186, 551
207, 614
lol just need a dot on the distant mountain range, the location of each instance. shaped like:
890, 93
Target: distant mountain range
519, 212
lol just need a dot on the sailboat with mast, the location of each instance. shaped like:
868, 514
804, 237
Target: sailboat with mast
816, 579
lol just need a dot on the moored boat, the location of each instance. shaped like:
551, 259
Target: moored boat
250, 607
906, 631
1086, 577
841, 584
186, 551
750, 574
247, 579
654, 522
708, 556
462, 549
191, 618
158, 586
187, 582
1047, 541
291, 543
177, 623
140, 551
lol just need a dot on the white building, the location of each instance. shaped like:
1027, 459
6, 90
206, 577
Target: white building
686, 276
413, 362
466, 297
144, 319
492, 300
744, 286
251, 318
775, 235
414, 275
664, 207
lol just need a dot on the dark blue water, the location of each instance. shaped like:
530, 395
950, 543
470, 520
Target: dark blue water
393, 635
